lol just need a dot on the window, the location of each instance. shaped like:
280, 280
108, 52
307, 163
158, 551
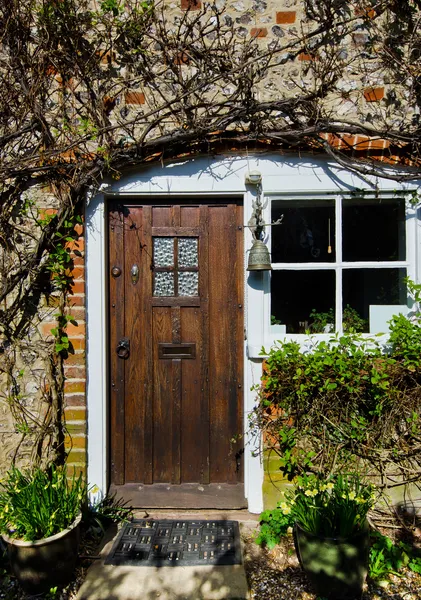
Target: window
338, 263
176, 267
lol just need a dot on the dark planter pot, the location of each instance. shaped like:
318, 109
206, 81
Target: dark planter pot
335, 567
41, 565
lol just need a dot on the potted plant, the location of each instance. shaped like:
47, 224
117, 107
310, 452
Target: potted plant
331, 532
39, 516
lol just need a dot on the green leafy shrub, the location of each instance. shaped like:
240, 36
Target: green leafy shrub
345, 405
274, 525
37, 504
388, 558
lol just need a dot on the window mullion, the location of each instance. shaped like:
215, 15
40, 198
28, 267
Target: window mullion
338, 269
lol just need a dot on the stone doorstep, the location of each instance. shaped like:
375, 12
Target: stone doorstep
108, 582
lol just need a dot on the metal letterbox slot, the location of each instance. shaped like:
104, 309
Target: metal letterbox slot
170, 351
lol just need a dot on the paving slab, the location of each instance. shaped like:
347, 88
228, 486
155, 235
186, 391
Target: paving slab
108, 582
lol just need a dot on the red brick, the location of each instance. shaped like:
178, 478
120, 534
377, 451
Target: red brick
78, 287
77, 300
75, 414
75, 441
362, 143
77, 359
78, 261
77, 313
76, 273
75, 387
259, 32
78, 343
378, 144
181, 59
78, 244
76, 469
191, 4
76, 456
374, 94
46, 327
75, 400
74, 372
286, 16
365, 12
348, 140
134, 98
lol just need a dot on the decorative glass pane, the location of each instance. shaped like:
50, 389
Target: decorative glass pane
303, 301
188, 283
306, 233
373, 229
187, 252
163, 284
163, 252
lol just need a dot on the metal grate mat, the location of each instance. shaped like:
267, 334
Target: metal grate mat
151, 543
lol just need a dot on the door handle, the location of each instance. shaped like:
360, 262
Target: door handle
123, 348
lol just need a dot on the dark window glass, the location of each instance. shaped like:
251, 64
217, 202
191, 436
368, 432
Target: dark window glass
373, 229
303, 300
365, 288
307, 232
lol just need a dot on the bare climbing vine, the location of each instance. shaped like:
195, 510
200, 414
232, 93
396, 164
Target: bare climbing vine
89, 88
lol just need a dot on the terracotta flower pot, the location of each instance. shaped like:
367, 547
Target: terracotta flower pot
336, 567
43, 564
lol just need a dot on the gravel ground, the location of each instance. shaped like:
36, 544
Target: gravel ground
272, 575
276, 575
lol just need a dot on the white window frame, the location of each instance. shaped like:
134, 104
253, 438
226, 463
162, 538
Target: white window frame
410, 264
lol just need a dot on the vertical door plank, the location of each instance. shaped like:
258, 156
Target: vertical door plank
234, 344
239, 337
135, 418
194, 437
177, 391
163, 397
146, 384
116, 315
222, 358
204, 348
176, 421
218, 341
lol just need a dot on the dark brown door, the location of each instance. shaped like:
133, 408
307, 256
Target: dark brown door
176, 347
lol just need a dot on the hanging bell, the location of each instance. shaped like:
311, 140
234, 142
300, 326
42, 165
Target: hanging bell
259, 258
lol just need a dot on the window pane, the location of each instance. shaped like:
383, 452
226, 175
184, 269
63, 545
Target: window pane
188, 283
366, 291
187, 252
163, 252
303, 300
373, 229
163, 284
307, 232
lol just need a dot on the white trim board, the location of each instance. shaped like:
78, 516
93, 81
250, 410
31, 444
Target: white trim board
202, 177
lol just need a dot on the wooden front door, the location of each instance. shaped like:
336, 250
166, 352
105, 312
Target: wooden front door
176, 352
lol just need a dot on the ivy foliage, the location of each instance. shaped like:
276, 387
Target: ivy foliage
348, 403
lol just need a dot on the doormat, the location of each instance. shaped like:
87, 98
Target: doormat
149, 543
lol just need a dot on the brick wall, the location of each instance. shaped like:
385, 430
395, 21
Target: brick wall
75, 365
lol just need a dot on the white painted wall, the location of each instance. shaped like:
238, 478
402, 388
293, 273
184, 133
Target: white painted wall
219, 177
